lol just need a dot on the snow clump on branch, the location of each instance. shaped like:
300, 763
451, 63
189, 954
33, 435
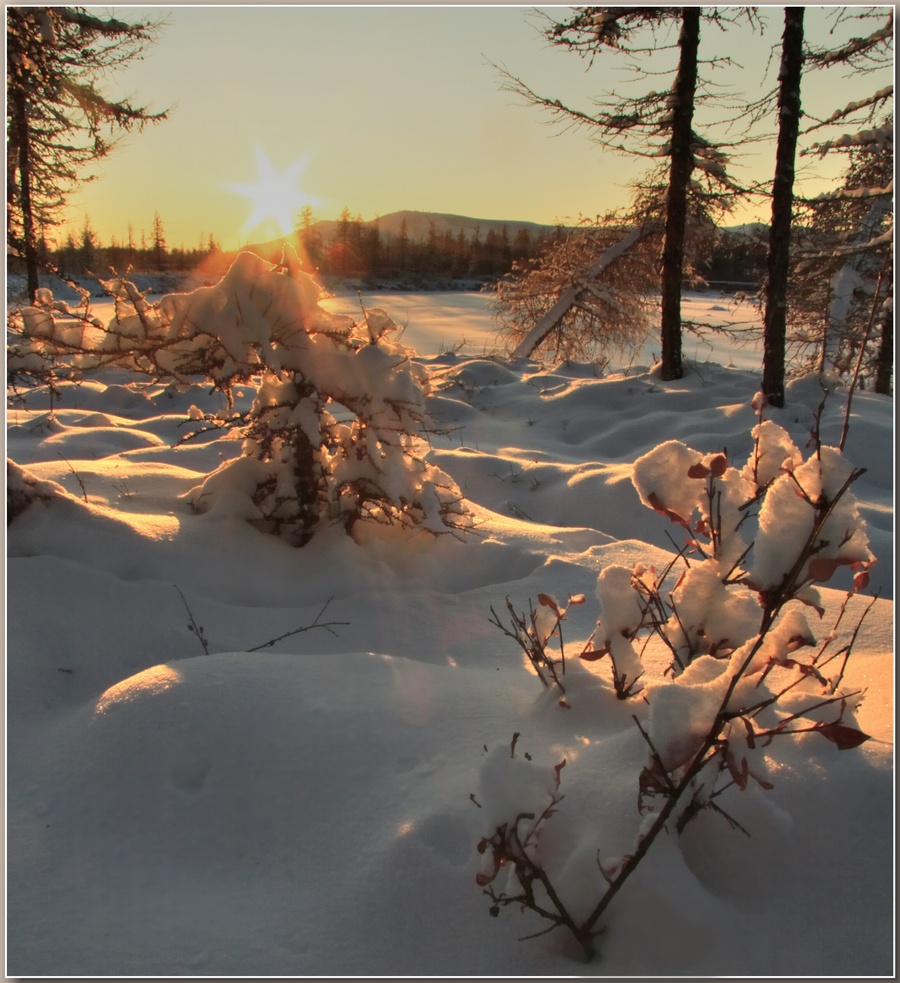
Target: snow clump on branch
336, 433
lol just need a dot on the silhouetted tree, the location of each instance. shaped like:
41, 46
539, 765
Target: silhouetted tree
158, 235
778, 261
58, 120
656, 124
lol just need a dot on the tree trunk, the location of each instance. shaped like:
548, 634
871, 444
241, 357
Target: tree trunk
29, 239
885, 365
676, 199
775, 320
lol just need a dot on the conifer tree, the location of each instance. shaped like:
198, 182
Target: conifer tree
58, 120
653, 125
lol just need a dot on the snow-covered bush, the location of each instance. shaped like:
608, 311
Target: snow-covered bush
23, 488
745, 669
337, 430
49, 341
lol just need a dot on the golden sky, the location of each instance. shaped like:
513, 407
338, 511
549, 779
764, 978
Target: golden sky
380, 108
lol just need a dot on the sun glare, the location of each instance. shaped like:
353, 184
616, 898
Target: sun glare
275, 198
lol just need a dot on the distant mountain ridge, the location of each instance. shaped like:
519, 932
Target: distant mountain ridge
418, 225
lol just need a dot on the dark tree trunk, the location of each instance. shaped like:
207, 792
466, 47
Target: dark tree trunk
775, 320
885, 365
29, 238
676, 199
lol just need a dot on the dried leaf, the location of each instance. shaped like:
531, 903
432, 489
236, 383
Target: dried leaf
739, 774
549, 602
805, 668
718, 465
558, 768
799, 641
593, 655
655, 503
651, 781
843, 736
699, 470
822, 569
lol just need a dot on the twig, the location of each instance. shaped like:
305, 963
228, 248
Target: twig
77, 476
862, 351
327, 625
192, 624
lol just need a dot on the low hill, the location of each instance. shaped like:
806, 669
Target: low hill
418, 225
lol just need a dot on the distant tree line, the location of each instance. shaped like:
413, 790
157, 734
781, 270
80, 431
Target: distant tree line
359, 249
83, 252
356, 248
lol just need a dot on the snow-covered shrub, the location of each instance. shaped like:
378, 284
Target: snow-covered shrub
24, 488
746, 670
337, 430
49, 341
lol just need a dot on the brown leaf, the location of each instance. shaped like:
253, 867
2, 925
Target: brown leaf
594, 655
799, 641
655, 503
805, 668
651, 781
718, 465
547, 601
739, 774
699, 470
558, 768
822, 569
843, 736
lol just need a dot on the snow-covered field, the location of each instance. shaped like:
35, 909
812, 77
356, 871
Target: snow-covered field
311, 808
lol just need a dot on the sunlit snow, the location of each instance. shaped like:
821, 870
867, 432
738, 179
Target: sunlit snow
185, 799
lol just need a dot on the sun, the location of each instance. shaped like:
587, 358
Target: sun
276, 198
